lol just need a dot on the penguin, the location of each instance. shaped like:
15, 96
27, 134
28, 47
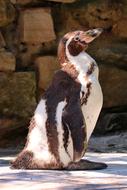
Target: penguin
68, 111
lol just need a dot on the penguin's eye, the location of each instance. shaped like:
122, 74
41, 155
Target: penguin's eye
76, 38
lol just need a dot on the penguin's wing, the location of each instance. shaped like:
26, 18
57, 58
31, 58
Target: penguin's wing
65, 88
73, 121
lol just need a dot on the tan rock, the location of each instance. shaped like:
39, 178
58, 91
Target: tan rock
27, 52
114, 86
36, 26
7, 61
7, 12
102, 14
46, 67
69, 22
17, 95
120, 28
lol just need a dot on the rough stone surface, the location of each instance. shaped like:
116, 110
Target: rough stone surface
27, 53
10, 34
17, 94
23, 2
64, 1
103, 14
13, 131
17, 104
7, 61
120, 28
109, 144
112, 178
2, 41
112, 54
36, 26
7, 12
90, 14
46, 67
111, 122
114, 86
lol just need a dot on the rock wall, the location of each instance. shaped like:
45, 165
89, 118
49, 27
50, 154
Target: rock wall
29, 35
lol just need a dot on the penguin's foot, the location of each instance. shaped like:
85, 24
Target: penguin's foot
86, 165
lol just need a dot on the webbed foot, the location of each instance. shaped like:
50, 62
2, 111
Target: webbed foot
86, 165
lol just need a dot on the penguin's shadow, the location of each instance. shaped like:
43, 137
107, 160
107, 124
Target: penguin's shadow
117, 164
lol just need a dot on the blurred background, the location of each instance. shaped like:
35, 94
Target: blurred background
29, 34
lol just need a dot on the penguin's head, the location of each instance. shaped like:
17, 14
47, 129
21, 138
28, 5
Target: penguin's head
75, 42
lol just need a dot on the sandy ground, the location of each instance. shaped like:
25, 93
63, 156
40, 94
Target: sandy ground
112, 178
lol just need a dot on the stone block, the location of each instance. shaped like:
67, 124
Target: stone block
27, 52
36, 26
112, 122
103, 14
110, 53
7, 61
17, 92
12, 131
114, 85
7, 12
46, 67
120, 28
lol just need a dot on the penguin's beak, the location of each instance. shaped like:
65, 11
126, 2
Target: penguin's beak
90, 35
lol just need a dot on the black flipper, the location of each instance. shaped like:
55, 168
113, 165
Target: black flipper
65, 88
73, 119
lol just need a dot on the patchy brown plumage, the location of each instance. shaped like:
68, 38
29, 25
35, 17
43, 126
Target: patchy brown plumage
85, 97
91, 69
70, 69
24, 160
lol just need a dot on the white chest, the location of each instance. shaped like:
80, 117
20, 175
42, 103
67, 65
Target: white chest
91, 109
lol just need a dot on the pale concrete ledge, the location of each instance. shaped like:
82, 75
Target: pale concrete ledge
112, 178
